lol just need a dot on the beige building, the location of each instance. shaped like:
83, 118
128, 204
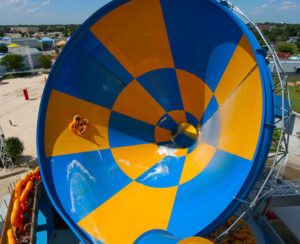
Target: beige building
25, 29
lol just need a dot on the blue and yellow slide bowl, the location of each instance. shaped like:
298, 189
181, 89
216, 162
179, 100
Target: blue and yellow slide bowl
149, 75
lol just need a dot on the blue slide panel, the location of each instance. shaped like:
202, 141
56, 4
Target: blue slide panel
197, 42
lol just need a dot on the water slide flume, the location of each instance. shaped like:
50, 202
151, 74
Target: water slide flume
179, 101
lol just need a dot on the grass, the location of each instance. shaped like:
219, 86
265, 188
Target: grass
295, 98
294, 92
294, 79
17, 75
276, 137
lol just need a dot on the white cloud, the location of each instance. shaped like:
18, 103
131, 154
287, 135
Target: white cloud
288, 5
32, 10
27, 6
275, 5
259, 9
45, 3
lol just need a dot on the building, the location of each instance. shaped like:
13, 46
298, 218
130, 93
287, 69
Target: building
292, 39
48, 43
56, 34
13, 35
31, 42
2, 68
288, 66
283, 55
266, 26
6, 40
5, 29
31, 57
24, 29
28, 53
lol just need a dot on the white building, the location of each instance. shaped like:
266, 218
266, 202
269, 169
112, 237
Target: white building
31, 57
289, 66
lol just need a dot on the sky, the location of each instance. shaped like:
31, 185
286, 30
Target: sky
13, 12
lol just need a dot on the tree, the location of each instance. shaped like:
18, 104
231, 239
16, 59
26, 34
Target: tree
258, 37
15, 147
298, 43
1, 33
287, 47
45, 61
3, 49
65, 33
72, 31
21, 33
292, 30
12, 62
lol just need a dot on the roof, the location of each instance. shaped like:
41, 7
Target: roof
22, 39
265, 26
294, 58
61, 43
283, 55
46, 40
13, 45
24, 51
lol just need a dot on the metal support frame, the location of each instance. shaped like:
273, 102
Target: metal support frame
269, 183
4, 155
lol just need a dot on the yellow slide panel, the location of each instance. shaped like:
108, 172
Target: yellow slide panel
194, 92
178, 116
241, 116
136, 160
131, 212
134, 101
60, 140
120, 32
196, 161
241, 64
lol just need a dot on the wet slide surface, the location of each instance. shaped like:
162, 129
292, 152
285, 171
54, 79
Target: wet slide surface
136, 70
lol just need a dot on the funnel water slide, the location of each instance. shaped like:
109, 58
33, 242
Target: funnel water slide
177, 101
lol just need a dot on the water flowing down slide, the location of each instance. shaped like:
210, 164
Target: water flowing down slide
156, 115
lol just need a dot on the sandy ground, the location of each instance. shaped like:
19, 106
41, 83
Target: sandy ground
23, 114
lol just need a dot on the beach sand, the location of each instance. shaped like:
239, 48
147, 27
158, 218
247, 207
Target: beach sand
23, 114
